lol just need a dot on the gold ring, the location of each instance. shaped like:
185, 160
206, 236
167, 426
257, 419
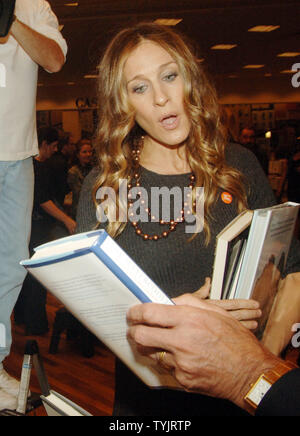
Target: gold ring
160, 358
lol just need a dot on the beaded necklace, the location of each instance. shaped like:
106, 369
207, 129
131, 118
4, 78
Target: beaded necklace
135, 181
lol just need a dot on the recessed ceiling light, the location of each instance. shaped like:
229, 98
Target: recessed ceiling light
70, 83
72, 4
168, 21
253, 67
288, 54
223, 46
233, 76
288, 72
263, 28
200, 60
91, 76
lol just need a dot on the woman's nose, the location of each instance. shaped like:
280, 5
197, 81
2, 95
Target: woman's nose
160, 97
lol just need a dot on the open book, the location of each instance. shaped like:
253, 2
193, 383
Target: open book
98, 282
251, 254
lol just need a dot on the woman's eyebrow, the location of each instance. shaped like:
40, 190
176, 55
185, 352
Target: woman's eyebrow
140, 76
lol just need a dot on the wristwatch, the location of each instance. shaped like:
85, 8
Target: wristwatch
265, 382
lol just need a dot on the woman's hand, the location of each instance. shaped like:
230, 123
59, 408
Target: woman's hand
246, 311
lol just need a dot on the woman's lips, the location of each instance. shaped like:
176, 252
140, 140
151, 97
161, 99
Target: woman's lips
169, 122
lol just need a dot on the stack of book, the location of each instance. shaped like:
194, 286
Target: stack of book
251, 254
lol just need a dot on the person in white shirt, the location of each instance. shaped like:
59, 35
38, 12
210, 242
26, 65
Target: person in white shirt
34, 40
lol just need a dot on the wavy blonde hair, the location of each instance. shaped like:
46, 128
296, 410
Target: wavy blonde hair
118, 133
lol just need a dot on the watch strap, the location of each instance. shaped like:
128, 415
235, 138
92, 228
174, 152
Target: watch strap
271, 376
276, 373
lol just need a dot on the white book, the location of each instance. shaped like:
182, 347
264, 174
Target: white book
269, 239
58, 405
265, 257
98, 282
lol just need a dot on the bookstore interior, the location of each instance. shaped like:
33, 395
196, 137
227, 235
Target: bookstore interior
250, 51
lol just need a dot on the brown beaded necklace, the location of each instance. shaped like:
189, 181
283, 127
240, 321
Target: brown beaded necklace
135, 180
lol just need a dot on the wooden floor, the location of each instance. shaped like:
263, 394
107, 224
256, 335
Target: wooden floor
89, 382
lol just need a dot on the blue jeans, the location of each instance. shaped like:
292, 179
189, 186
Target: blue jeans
16, 201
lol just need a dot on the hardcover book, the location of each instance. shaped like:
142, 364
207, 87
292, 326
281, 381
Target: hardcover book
98, 282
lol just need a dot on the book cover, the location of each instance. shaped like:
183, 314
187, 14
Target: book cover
266, 254
98, 282
249, 261
227, 252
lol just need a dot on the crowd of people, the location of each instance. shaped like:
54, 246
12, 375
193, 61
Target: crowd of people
160, 125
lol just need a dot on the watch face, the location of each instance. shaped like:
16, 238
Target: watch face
259, 391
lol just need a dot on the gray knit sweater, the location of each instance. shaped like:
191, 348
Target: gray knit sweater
178, 266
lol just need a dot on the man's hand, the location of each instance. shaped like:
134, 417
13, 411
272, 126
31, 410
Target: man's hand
207, 350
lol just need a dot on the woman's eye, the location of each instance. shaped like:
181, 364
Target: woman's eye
139, 89
170, 77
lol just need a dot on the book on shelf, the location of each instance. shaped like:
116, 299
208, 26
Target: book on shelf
98, 282
251, 254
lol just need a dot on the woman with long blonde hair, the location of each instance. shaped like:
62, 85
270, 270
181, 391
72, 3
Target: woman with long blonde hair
159, 137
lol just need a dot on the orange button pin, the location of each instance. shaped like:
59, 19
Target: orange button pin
226, 197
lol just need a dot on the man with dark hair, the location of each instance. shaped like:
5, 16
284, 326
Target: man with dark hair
31, 306
59, 165
33, 40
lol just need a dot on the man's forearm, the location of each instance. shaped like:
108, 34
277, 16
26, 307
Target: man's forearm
42, 50
51, 209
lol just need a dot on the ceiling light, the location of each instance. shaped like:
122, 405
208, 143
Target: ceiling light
200, 60
288, 72
70, 83
253, 67
168, 21
263, 28
91, 76
223, 46
288, 54
72, 4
